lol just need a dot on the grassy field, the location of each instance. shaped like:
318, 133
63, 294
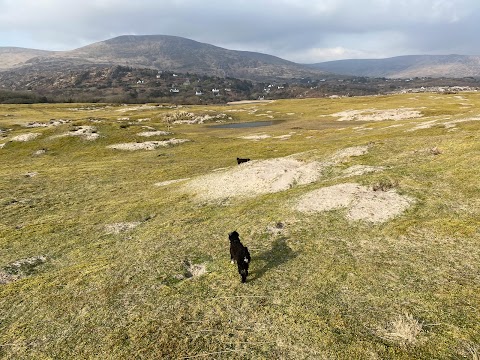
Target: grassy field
94, 257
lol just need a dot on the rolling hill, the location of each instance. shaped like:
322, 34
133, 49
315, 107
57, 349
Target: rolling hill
170, 53
406, 66
11, 57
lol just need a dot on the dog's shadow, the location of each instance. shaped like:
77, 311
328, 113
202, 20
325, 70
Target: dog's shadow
279, 254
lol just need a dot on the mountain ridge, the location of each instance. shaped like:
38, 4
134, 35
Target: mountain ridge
174, 53
406, 66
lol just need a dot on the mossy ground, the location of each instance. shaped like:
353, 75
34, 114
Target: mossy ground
321, 288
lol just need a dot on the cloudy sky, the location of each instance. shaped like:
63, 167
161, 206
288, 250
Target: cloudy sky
306, 31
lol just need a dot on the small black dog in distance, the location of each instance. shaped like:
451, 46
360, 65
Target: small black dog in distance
240, 160
239, 254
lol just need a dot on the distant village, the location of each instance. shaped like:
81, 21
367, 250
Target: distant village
124, 84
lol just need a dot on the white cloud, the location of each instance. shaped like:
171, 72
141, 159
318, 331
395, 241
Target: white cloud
314, 55
300, 30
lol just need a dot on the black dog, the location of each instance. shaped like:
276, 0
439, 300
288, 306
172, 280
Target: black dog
240, 160
239, 254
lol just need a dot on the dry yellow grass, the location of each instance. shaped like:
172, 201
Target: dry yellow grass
137, 267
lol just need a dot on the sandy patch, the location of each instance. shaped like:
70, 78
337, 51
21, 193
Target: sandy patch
345, 154
379, 206
378, 115
201, 119
51, 123
361, 170
394, 126
86, 132
20, 268
256, 137
255, 178
361, 202
95, 120
194, 270
266, 115
250, 102
90, 108
147, 145
31, 261
258, 177
424, 125
453, 123
118, 228
25, 137
154, 133
283, 137
267, 176
185, 117
428, 151
329, 198
6, 278
137, 108
168, 182
39, 152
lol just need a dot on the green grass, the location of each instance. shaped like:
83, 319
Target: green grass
325, 288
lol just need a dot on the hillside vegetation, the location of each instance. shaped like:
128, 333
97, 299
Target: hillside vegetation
361, 216
124, 84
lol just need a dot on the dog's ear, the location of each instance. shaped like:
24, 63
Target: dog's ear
233, 236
